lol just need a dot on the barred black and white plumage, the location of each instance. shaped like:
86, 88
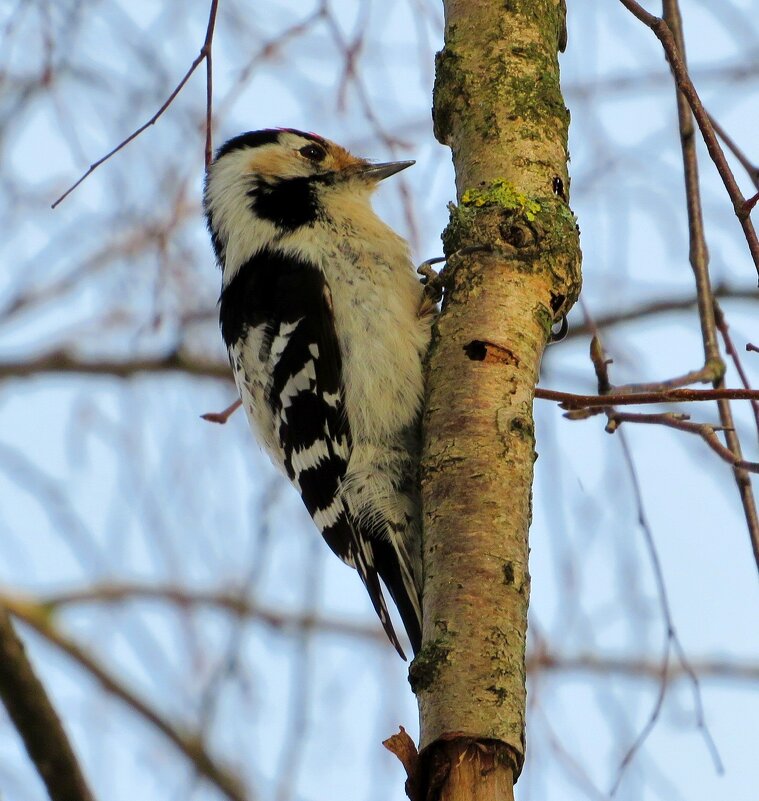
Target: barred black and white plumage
326, 328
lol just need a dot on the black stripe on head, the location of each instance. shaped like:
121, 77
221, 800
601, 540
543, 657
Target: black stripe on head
248, 139
268, 136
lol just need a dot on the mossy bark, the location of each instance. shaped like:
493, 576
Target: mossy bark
499, 107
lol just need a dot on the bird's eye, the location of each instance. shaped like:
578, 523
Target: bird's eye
313, 152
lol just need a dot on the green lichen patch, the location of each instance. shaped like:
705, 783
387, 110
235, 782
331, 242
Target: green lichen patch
428, 663
504, 194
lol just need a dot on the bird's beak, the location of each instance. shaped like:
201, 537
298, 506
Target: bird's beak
376, 172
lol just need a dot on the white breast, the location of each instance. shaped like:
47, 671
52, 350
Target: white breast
375, 297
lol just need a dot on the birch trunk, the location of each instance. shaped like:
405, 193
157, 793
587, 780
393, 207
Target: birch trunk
499, 107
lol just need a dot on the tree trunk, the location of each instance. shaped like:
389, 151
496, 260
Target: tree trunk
498, 106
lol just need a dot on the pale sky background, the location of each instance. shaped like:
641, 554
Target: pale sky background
106, 480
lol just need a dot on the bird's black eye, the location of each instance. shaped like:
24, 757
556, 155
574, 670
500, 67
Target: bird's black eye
313, 152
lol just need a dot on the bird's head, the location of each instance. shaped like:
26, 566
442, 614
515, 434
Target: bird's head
268, 184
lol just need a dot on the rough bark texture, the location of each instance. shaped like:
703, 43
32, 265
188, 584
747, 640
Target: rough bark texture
499, 107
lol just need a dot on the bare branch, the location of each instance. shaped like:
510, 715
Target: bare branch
568, 400
33, 715
231, 601
733, 353
656, 307
699, 256
671, 641
602, 665
680, 422
204, 54
189, 744
685, 85
751, 169
64, 362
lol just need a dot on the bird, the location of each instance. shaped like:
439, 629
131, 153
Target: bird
327, 327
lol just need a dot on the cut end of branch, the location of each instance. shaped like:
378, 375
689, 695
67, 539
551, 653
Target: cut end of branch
405, 749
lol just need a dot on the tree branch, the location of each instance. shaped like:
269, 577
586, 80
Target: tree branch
498, 310
188, 744
203, 55
231, 601
569, 400
685, 85
62, 361
681, 423
699, 255
35, 719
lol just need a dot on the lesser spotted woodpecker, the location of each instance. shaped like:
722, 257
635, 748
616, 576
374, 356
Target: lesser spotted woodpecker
326, 328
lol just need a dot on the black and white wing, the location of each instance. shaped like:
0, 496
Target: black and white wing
277, 322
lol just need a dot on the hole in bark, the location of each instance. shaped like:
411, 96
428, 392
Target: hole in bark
515, 235
476, 350
479, 350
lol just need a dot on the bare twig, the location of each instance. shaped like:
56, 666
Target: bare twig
208, 50
751, 169
685, 85
64, 362
230, 600
35, 719
681, 423
699, 257
672, 641
733, 353
38, 618
656, 307
203, 55
569, 400
644, 669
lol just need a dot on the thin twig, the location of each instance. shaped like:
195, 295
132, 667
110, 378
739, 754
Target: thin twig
751, 169
681, 423
662, 31
208, 48
230, 600
734, 355
35, 719
205, 52
656, 307
642, 669
649, 309
700, 262
671, 639
569, 400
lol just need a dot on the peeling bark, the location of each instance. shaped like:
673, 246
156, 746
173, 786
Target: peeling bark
499, 107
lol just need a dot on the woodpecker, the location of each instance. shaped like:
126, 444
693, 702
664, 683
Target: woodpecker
326, 327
